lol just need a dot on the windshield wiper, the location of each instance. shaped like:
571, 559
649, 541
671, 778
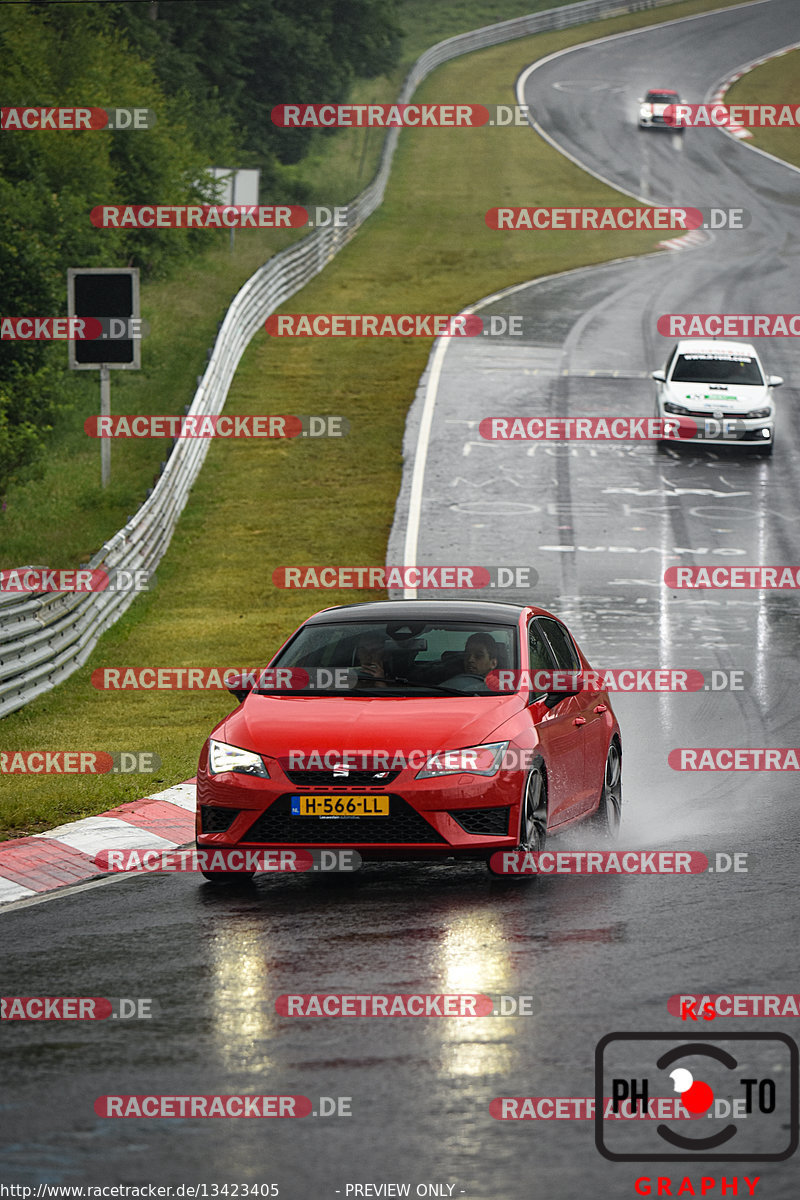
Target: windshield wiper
369, 688
365, 685
416, 683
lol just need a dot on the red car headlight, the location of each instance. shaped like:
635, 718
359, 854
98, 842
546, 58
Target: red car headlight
222, 757
470, 760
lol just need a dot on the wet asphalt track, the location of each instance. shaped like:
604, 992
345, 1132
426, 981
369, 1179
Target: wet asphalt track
599, 524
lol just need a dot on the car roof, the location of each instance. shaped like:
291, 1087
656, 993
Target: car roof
714, 345
416, 610
666, 91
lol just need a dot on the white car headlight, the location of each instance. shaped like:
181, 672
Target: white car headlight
645, 110
471, 760
222, 757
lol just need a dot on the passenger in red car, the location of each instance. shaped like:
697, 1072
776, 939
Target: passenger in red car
370, 655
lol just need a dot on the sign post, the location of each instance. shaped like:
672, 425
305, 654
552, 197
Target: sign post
235, 185
110, 295
105, 411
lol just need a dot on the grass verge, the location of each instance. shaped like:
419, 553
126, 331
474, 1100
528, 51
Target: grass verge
774, 82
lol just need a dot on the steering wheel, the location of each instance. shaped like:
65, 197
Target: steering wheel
464, 677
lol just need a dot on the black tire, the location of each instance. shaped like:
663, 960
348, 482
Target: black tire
226, 878
661, 443
606, 821
532, 819
533, 813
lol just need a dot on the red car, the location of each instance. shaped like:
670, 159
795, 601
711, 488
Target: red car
416, 753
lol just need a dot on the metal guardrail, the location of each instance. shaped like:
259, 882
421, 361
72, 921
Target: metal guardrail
46, 637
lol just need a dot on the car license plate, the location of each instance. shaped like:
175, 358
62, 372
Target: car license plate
340, 806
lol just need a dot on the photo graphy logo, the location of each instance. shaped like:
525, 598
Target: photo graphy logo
745, 1085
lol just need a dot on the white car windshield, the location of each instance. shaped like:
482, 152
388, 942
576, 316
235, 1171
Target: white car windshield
717, 368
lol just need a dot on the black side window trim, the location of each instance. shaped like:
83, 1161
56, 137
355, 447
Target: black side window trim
573, 666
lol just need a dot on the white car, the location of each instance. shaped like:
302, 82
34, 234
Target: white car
652, 106
721, 386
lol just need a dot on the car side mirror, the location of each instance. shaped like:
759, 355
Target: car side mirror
554, 698
774, 380
551, 699
239, 685
659, 376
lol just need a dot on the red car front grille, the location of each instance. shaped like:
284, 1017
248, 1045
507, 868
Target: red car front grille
403, 826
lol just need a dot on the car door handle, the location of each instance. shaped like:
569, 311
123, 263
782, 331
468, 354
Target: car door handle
579, 721
601, 708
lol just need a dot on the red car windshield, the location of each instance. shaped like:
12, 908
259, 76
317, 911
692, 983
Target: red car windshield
405, 657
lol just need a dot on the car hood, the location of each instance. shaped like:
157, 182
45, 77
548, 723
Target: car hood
702, 397
275, 725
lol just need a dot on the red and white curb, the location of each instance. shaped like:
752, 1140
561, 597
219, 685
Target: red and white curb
63, 856
687, 241
739, 131
697, 237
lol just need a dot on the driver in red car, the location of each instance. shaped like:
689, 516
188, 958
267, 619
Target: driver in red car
481, 654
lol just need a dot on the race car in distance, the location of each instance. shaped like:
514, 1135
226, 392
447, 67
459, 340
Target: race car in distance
721, 390
418, 755
652, 106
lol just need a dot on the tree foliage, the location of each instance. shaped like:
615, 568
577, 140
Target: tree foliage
211, 72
